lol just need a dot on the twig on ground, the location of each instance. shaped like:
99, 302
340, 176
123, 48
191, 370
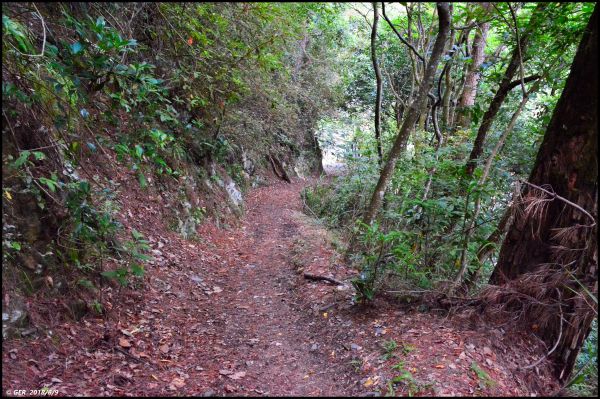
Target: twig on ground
316, 277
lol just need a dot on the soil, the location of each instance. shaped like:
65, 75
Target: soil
231, 314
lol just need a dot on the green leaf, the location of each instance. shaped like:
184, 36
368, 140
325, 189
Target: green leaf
136, 234
16, 30
51, 184
76, 48
84, 186
100, 23
110, 274
137, 270
86, 283
23, 156
139, 151
51, 50
577, 380
15, 245
142, 180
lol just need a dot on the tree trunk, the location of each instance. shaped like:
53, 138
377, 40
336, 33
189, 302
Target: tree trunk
503, 90
411, 114
467, 98
447, 87
553, 241
470, 230
486, 250
379, 83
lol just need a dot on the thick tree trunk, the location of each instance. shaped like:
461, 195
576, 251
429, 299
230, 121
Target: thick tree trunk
503, 90
553, 242
411, 114
379, 83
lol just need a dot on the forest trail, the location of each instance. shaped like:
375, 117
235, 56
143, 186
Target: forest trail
266, 331
232, 314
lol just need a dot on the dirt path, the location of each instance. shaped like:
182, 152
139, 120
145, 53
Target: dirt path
231, 314
220, 316
266, 328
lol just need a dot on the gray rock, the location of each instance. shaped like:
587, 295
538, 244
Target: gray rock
355, 347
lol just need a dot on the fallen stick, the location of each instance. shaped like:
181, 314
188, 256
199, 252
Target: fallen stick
315, 277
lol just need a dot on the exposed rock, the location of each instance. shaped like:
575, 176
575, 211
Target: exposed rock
14, 321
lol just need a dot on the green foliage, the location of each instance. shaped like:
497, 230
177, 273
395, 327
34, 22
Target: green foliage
389, 347
15, 30
484, 379
192, 87
405, 380
584, 381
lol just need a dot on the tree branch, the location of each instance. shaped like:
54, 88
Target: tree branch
399, 35
554, 195
528, 79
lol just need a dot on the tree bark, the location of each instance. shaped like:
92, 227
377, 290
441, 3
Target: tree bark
469, 231
467, 98
411, 114
503, 90
485, 250
379, 83
558, 241
447, 87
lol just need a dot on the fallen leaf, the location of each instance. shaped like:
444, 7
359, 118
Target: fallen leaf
368, 383
124, 343
164, 348
225, 372
178, 382
238, 375
439, 366
127, 333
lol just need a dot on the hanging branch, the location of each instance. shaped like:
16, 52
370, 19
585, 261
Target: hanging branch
436, 127
512, 13
399, 35
554, 195
379, 82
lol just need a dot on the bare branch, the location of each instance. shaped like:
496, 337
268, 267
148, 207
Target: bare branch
399, 35
554, 195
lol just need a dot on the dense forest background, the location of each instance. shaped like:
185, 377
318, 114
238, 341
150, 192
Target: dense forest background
454, 147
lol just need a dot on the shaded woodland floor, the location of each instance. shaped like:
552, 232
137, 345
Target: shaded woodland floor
231, 314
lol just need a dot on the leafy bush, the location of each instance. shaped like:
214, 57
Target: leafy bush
585, 379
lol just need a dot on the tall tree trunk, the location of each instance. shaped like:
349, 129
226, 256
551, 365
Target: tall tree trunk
470, 230
467, 98
447, 87
379, 83
411, 114
505, 86
554, 240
